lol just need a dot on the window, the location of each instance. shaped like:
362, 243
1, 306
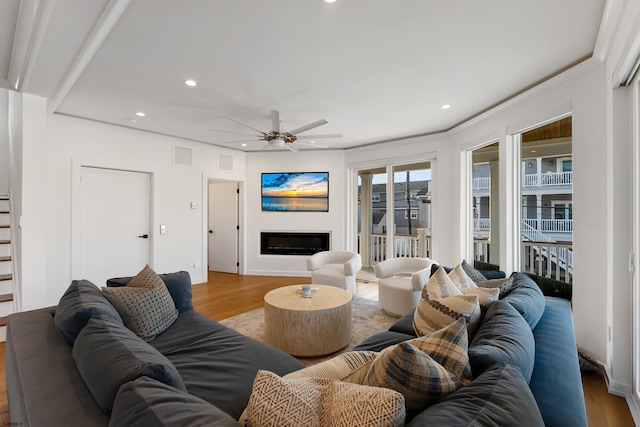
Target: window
375, 197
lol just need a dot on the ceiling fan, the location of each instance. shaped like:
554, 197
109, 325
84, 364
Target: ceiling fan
276, 138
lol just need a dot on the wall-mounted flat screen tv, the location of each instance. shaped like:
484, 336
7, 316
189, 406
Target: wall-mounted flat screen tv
297, 191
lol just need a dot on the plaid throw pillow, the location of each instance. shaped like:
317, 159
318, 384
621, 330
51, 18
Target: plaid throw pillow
350, 367
145, 304
425, 369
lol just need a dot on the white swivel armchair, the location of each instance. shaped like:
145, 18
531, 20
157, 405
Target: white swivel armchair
400, 283
335, 268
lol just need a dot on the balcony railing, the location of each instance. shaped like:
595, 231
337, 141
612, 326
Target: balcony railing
403, 247
547, 179
551, 225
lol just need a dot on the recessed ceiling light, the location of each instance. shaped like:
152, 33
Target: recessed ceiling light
140, 114
329, 1
446, 106
132, 120
244, 145
534, 151
190, 82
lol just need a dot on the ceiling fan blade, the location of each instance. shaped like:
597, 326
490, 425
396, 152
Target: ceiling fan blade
275, 121
309, 144
307, 127
290, 147
265, 147
328, 135
246, 140
242, 123
233, 133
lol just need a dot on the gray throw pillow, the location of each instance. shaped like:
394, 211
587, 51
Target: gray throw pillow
178, 284
108, 355
81, 301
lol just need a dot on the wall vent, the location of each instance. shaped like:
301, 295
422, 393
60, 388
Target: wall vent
225, 163
182, 156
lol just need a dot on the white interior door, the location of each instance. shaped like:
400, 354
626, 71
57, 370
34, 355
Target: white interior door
223, 226
115, 212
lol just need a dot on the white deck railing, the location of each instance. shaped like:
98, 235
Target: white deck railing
550, 225
547, 179
403, 247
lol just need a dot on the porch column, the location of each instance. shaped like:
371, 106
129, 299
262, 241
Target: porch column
494, 213
422, 238
365, 218
539, 212
539, 172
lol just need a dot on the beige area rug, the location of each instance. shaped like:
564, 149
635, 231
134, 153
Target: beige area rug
367, 319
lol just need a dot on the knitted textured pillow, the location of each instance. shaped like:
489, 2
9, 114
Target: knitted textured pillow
145, 304
354, 405
350, 367
440, 285
434, 314
320, 402
474, 274
503, 284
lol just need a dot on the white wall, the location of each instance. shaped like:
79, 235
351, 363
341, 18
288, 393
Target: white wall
257, 221
54, 151
586, 92
4, 141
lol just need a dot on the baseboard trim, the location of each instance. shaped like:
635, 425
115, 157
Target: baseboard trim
278, 273
616, 388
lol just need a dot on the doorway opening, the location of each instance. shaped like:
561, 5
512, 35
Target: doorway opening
223, 226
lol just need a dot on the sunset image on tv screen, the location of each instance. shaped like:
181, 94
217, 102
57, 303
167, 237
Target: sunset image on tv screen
299, 191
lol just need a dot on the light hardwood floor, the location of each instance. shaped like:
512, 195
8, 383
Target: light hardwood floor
226, 295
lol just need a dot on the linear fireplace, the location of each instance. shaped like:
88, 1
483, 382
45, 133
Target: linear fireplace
293, 243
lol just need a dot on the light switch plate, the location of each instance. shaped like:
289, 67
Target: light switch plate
163, 229
194, 205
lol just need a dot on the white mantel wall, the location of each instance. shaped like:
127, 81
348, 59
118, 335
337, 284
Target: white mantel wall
333, 221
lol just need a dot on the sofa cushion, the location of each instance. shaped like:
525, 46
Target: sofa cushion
503, 336
145, 304
81, 301
556, 380
499, 397
199, 346
425, 368
404, 324
526, 297
178, 284
350, 367
279, 401
471, 271
382, 340
147, 402
108, 355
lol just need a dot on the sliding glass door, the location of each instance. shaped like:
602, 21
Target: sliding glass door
394, 212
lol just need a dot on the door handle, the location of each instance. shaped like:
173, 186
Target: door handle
144, 236
210, 231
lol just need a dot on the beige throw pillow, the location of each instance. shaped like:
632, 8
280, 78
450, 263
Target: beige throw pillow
460, 278
440, 285
321, 402
434, 314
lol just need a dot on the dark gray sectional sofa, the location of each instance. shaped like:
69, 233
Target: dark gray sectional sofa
524, 360
199, 372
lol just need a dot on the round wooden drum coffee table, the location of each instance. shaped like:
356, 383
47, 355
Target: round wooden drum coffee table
308, 326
